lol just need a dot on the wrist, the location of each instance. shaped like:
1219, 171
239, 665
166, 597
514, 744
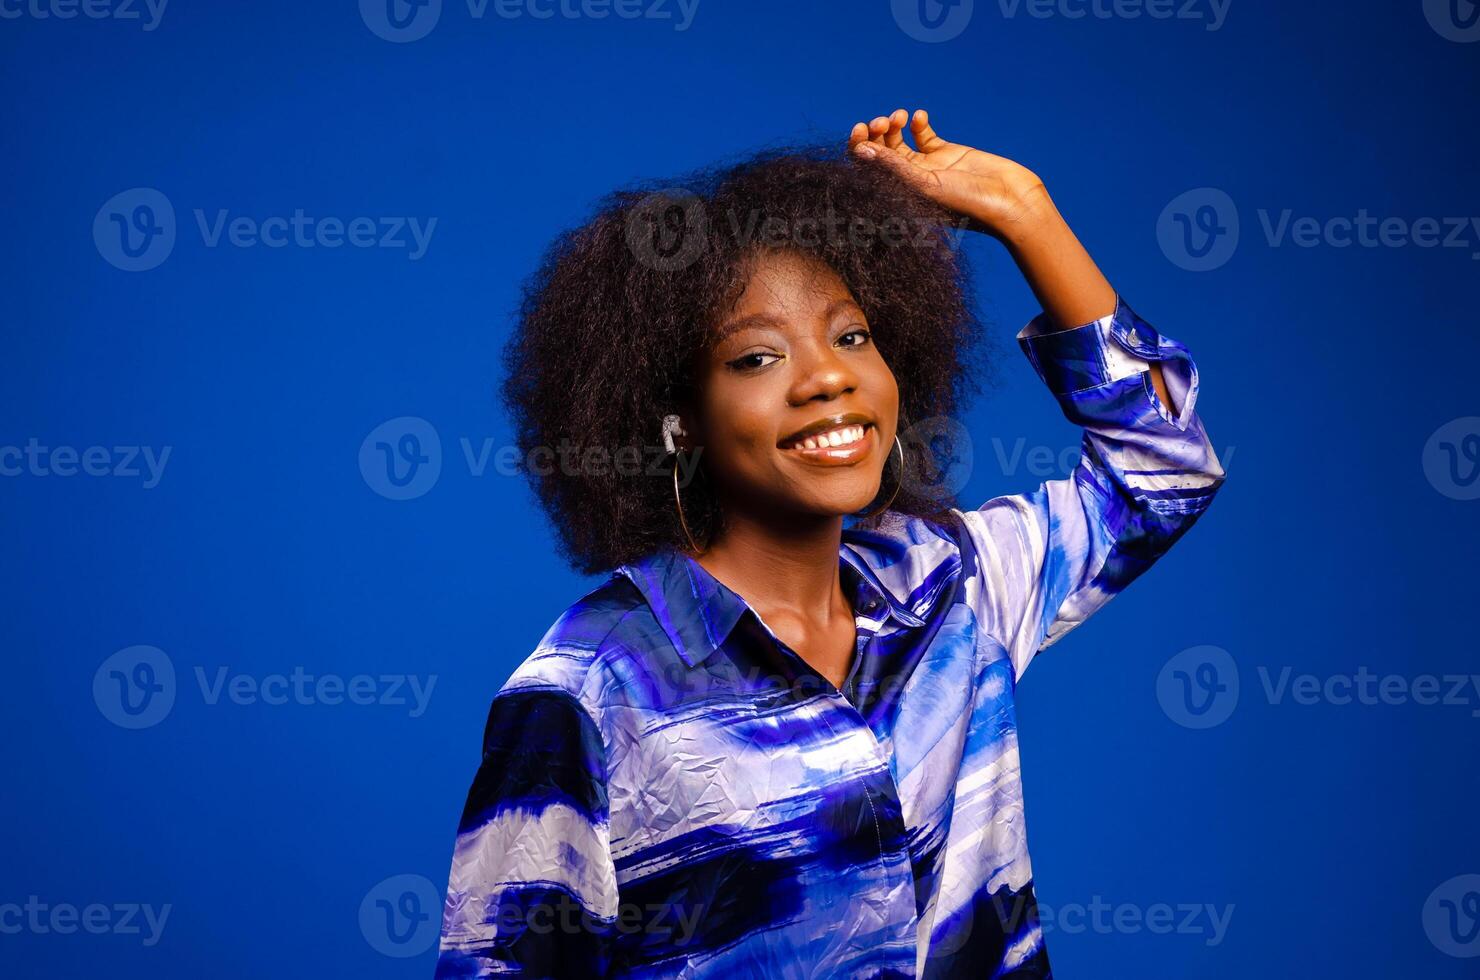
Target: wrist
1026, 215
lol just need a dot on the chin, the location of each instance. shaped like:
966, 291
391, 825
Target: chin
841, 505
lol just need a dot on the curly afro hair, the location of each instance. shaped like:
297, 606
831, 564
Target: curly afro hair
614, 320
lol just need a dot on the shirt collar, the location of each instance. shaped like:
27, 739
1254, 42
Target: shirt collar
698, 612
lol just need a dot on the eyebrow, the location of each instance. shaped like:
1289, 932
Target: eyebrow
766, 320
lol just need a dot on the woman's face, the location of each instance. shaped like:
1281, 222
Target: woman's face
797, 409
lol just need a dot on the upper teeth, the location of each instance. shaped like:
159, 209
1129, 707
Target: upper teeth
847, 435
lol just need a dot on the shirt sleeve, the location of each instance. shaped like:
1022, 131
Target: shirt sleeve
1146, 472
532, 891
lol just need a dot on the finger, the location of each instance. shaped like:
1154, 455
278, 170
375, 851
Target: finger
925, 137
897, 162
894, 138
859, 134
877, 127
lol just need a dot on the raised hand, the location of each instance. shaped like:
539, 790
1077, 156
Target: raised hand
995, 194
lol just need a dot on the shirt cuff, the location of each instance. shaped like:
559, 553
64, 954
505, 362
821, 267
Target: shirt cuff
1117, 346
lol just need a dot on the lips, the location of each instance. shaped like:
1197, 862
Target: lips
832, 426
833, 441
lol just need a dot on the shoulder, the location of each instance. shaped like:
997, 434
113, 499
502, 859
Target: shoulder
572, 660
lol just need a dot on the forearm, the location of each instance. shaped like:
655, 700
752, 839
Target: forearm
1007, 201
1064, 278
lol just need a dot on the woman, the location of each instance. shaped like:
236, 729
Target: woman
779, 739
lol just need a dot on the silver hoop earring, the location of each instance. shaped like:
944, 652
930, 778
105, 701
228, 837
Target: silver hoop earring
678, 504
672, 427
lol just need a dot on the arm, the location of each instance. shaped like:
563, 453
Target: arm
1146, 473
532, 890
1147, 470
1003, 199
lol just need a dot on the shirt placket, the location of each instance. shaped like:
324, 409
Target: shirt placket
881, 792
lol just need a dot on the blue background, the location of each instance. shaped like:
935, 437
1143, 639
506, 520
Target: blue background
1327, 827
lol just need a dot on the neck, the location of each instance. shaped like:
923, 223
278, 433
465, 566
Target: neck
774, 565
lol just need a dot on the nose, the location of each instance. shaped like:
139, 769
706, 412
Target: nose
821, 376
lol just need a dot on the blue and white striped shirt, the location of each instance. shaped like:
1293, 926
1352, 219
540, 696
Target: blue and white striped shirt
667, 789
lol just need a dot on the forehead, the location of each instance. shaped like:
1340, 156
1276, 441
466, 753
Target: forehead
785, 286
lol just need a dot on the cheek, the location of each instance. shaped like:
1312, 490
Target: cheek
740, 427
882, 382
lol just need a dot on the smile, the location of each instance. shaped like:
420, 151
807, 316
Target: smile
837, 446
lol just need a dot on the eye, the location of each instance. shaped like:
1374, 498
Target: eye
752, 361
860, 337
